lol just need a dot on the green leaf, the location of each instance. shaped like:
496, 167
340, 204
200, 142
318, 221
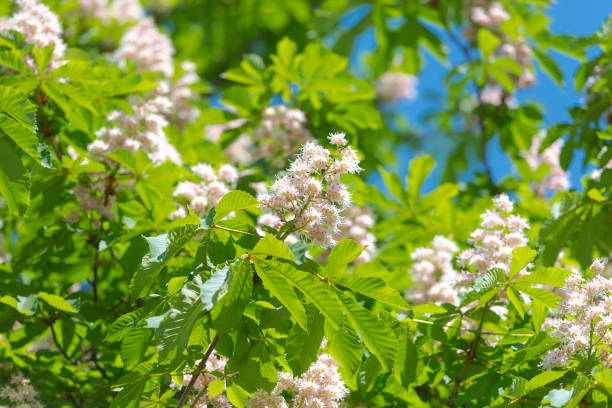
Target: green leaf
487, 42
377, 337
548, 298
520, 259
277, 285
133, 346
545, 276
406, 359
13, 59
216, 286
539, 312
419, 170
344, 346
129, 396
549, 66
270, 245
393, 183
42, 57
303, 346
234, 201
514, 298
315, 291
582, 385
237, 395
14, 179
161, 249
215, 388
376, 289
56, 302
427, 308
342, 254
18, 120
541, 380
227, 312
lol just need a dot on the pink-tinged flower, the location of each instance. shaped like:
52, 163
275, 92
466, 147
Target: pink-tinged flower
206, 193
320, 386
147, 48
311, 194
40, 27
394, 86
558, 179
492, 244
433, 275
582, 325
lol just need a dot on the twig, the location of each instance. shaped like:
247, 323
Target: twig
235, 230
94, 283
469, 358
59, 347
196, 373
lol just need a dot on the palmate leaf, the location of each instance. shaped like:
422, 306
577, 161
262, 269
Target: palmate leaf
315, 291
377, 337
161, 249
18, 120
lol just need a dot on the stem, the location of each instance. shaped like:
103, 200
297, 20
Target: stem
469, 358
59, 347
94, 283
196, 373
235, 230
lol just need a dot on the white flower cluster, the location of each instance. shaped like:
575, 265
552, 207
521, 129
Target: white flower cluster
490, 14
95, 198
281, 132
215, 363
320, 386
181, 94
201, 197
143, 130
311, 195
148, 48
394, 86
20, 392
483, 13
39, 26
500, 232
557, 180
433, 274
585, 317
122, 11
356, 224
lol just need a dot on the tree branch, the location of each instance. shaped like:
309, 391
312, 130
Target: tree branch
197, 371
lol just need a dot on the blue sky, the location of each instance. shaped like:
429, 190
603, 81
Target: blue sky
577, 17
